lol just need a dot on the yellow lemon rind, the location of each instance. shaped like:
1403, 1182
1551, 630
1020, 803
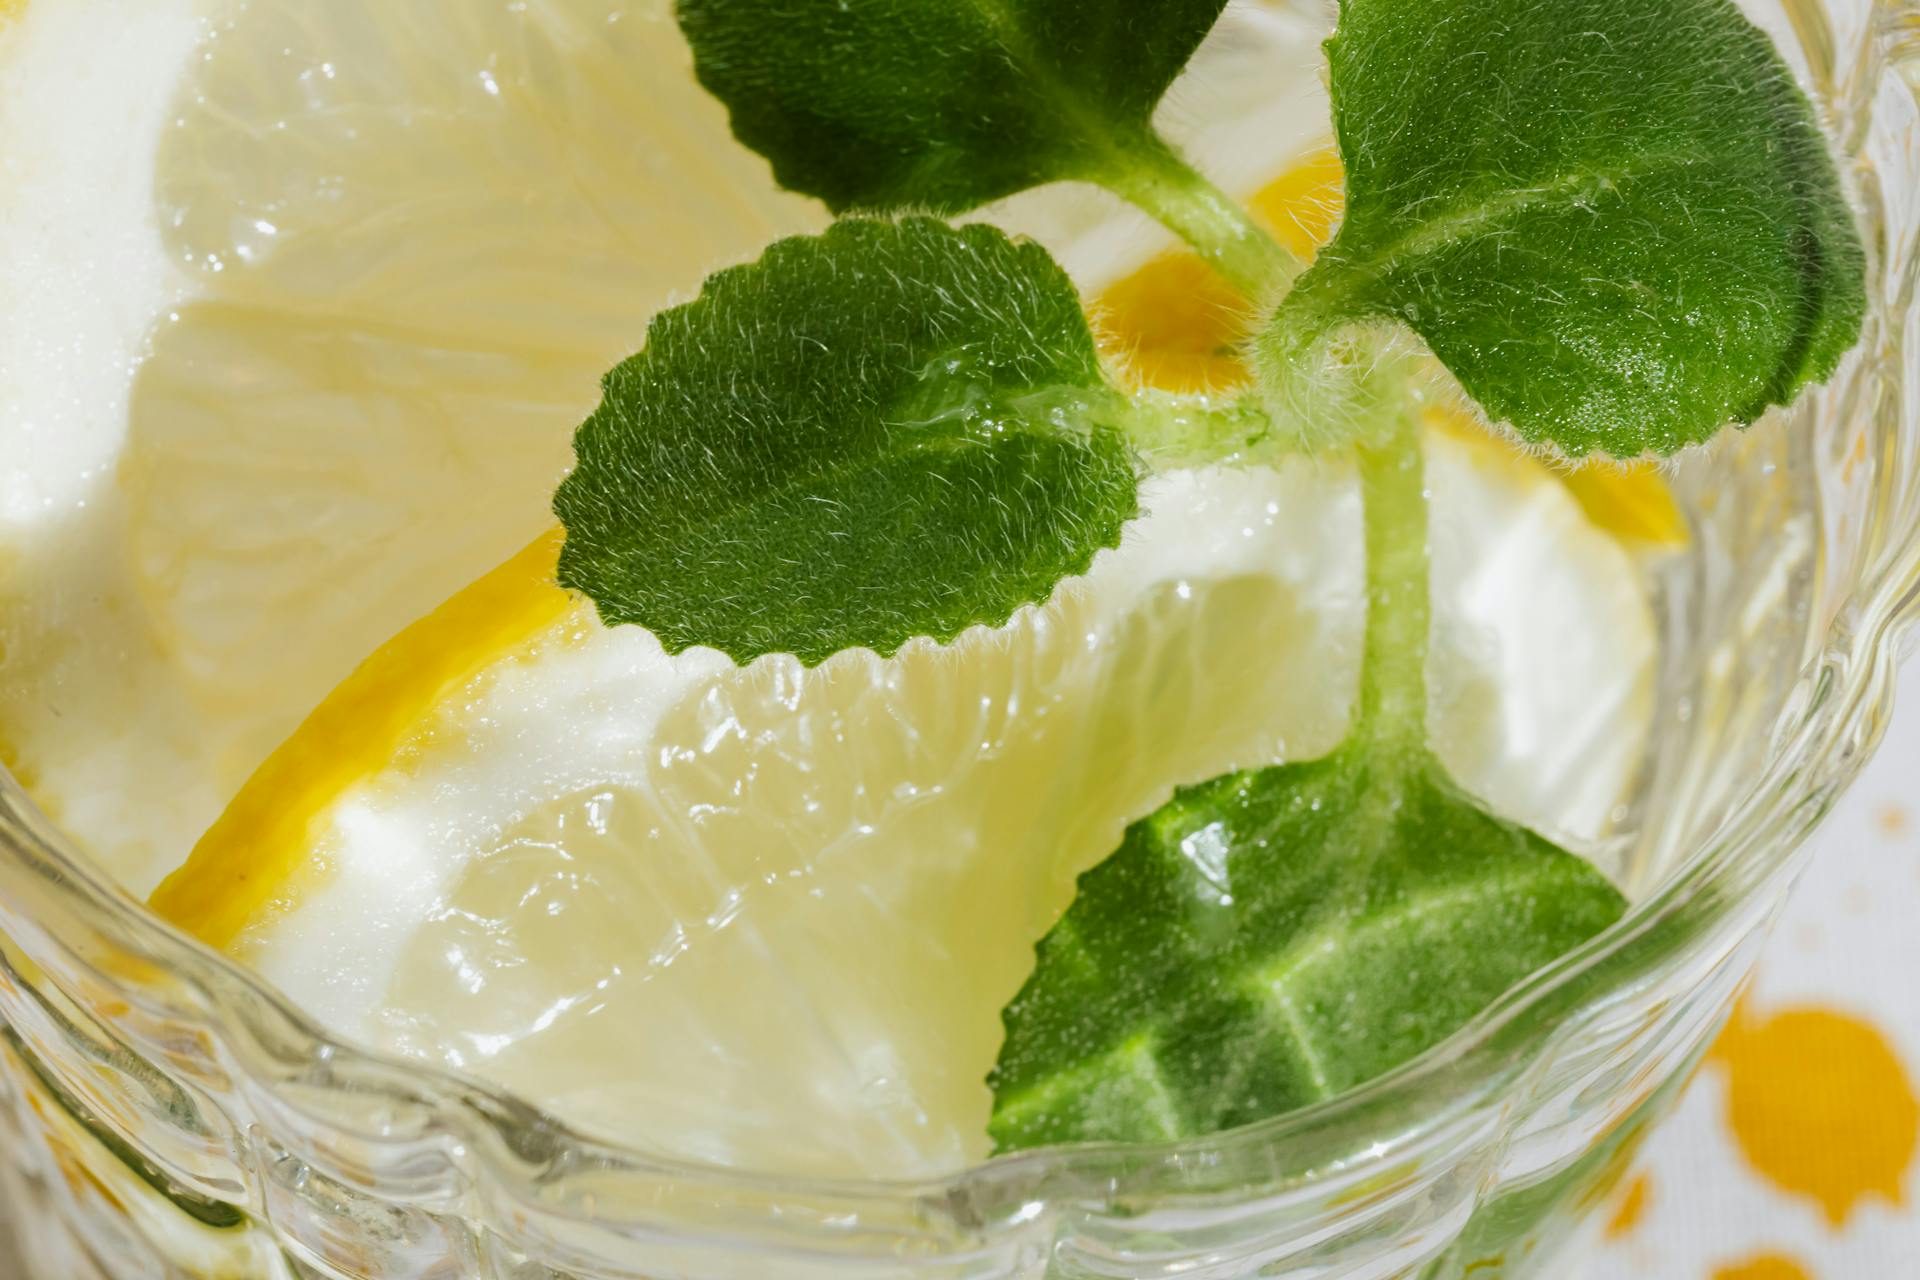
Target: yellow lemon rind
239, 867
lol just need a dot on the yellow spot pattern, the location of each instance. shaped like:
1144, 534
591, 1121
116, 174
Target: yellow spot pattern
1765, 1266
1821, 1107
1632, 1209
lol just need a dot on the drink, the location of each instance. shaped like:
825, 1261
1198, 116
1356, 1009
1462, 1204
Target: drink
914, 1106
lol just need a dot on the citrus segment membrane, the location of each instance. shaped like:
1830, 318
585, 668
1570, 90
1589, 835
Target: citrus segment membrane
94, 721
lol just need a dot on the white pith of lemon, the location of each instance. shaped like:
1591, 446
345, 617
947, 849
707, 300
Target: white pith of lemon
770, 916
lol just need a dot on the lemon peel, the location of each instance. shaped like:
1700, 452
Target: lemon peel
243, 861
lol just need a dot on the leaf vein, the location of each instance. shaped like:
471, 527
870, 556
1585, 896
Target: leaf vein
1433, 234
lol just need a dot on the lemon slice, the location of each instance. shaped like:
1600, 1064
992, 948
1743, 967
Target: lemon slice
307, 301
418, 238
769, 916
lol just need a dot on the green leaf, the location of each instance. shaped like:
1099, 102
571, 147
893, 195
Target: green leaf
1272, 938
942, 104
1615, 221
891, 430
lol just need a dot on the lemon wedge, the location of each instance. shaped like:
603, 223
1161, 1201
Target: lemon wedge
769, 916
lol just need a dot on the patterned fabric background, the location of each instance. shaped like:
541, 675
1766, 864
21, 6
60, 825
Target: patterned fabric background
1795, 1154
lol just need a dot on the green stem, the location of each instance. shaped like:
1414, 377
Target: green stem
1393, 682
1154, 179
1185, 430
1393, 687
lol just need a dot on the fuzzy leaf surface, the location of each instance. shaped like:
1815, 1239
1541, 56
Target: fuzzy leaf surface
1615, 221
1275, 937
891, 430
941, 104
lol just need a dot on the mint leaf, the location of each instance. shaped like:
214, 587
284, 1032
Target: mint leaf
890, 430
1275, 937
942, 104
1615, 221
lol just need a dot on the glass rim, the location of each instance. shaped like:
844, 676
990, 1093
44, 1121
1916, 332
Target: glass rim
96, 937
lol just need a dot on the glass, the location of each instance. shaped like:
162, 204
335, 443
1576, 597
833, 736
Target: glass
167, 1114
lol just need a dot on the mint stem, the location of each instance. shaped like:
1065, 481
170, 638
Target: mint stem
1154, 179
1393, 682
1185, 430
